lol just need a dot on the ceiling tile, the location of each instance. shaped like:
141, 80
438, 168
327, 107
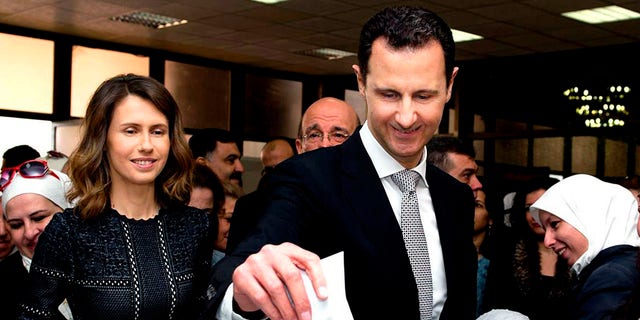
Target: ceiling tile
321, 24
558, 7
273, 14
468, 4
281, 31
318, 7
484, 47
232, 21
359, 16
495, 29
226, 6
326, 40
270, 33
290, 45
509, 11
461, 19
531, 41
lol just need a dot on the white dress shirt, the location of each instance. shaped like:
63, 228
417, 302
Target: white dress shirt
385, 167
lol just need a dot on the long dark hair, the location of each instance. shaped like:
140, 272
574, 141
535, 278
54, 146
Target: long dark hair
88, 164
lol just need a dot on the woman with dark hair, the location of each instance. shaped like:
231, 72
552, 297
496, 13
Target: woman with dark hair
524, 275
131, 248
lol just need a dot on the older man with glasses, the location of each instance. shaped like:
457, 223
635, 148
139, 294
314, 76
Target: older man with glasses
326, 123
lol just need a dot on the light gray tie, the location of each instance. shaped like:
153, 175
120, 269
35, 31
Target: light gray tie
414, 239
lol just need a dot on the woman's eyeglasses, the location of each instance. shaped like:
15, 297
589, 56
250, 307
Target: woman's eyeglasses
28, 169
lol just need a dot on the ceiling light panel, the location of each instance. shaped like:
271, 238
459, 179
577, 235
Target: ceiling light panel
327, 53
461, 36
150, 20
269, 1
602, 14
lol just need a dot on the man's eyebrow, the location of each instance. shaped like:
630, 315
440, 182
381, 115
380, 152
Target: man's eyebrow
469, 170
428, 91
311, 127
338, 128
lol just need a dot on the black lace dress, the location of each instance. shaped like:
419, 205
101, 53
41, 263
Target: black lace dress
113, 267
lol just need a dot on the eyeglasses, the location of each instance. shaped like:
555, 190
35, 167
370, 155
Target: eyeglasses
317, 136
28, 169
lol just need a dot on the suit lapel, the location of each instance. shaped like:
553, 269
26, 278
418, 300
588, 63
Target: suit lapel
365, 194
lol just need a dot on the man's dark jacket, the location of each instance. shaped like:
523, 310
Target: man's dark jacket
331, 200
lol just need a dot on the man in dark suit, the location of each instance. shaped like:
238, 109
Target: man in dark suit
344, 198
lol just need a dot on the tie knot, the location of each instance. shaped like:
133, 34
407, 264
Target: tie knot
406, 180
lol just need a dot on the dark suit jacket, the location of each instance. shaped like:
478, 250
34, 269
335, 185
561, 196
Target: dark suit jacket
331, 200
14, 280
246, 213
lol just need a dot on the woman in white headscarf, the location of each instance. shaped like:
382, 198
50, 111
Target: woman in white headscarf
32, 194
592, 224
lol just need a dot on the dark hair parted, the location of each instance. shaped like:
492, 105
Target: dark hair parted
203, 177
204, 141
89, 167
17, 155
440, 146
406, 27
519, 209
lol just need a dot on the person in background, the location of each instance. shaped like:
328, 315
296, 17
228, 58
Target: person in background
207, 194
327, 122
405, 73
6, 244
218, 150
591, 224
524, 274
32, 194
488, 209
131, 248
231, 195
456, 158
17, 155
57, 160
275, 151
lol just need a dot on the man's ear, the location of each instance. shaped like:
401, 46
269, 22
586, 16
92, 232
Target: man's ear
299, 146
201, 160
361, 84
450, 87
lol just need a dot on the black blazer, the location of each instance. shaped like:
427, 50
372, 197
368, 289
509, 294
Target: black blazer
331, 200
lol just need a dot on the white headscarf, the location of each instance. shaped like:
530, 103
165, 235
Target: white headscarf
605, 213
48, 186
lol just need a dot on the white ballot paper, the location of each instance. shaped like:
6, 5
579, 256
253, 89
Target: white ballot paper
336, 306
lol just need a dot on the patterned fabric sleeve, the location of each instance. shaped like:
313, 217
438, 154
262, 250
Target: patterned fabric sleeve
51, 272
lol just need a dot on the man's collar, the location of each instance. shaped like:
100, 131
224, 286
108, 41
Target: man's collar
384, 163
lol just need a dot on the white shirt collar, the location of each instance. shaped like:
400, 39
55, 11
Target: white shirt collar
384, 163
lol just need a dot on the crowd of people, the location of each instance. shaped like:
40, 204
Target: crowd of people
141, 223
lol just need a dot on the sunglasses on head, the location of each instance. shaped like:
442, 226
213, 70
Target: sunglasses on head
28, 169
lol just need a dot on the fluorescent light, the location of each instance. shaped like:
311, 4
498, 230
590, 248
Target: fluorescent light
461, 36
327, 53
150, 20
602, 14
269, 1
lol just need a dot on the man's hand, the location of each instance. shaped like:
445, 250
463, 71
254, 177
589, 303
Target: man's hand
265, 278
